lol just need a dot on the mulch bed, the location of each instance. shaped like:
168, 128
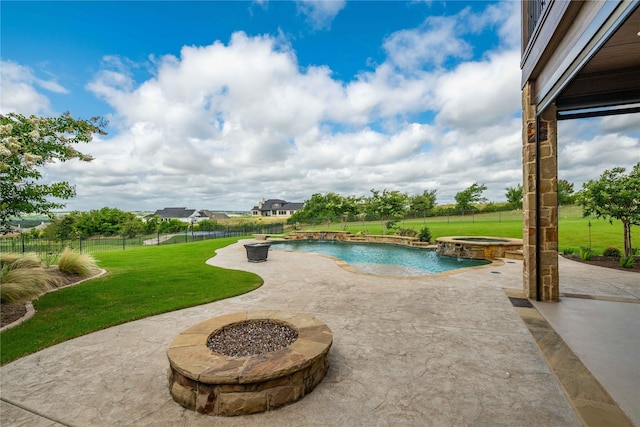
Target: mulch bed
607, 262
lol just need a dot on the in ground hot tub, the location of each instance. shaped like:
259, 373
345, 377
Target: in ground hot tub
477, 247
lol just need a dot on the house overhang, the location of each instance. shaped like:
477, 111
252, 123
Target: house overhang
599, 73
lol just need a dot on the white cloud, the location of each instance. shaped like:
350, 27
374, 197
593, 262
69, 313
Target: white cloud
621, 123
480, 93
428, 46
582, 158
320, 13
20, 90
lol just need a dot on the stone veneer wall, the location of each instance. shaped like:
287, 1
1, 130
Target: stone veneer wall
242, 399
346, 236
546, 224
449, 246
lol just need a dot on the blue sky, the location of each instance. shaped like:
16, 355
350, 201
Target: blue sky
218, 104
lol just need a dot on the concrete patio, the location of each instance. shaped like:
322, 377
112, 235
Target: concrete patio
446, 350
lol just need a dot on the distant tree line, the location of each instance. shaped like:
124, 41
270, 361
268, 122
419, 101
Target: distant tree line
391, 206
114, 222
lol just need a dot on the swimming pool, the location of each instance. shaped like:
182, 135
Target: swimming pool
375, 258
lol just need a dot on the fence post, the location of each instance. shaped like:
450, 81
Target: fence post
22, 235
158, 237
123, 242
80, 243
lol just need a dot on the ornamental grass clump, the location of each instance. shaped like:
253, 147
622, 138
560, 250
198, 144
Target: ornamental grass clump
71, 262
24, 278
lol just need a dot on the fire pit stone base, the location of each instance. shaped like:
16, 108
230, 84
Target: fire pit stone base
214, 384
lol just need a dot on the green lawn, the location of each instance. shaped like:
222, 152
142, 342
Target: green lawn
141, 282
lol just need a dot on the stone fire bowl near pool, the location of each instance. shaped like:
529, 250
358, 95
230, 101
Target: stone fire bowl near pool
215, 384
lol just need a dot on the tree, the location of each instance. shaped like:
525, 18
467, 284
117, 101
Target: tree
27, 144
566, 195
473, 194
614, 196
108, 222
514, 196
422, 204
388, 205
329, 206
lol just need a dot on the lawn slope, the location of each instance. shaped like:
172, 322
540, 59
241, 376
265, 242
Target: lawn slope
141, 282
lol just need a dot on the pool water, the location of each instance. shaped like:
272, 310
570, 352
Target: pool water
376, 258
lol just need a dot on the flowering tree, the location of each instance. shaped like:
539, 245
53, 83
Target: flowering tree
614, 196
27, 144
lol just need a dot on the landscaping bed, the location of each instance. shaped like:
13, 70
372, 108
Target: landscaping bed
607, 262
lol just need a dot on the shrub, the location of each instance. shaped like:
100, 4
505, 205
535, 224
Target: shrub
568, 251
14, 262
424, 235
627, 262
75, 263
586, 253
390, 225
408, 232
24, 279
612, 252
50, 258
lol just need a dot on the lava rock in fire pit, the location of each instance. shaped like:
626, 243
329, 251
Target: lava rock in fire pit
253, 337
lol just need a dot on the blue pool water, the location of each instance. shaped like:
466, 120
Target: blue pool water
393, 260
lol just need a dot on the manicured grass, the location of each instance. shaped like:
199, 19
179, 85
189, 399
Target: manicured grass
141, 282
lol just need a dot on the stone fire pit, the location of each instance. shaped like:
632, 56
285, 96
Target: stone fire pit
216, 384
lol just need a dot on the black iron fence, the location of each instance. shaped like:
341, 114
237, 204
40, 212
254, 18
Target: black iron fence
45, 248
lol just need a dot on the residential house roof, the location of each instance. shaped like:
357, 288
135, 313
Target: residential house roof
278, 204
213, 215
174, 213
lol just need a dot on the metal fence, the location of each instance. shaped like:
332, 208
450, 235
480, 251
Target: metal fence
48, 248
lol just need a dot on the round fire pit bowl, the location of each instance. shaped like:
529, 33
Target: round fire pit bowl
216, 384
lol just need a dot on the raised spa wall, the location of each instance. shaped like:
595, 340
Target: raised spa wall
346, 236
478, 247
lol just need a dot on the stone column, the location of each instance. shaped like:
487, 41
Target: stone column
529, 191
540, 208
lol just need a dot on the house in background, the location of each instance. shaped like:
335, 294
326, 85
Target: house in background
276, 208
579, 59
181, 214
213, 215
187, 215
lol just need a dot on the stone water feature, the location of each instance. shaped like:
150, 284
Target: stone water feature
478, 247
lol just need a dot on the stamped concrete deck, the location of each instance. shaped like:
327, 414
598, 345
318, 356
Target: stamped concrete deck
441, 350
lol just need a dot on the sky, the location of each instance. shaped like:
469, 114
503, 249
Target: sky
216, 105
